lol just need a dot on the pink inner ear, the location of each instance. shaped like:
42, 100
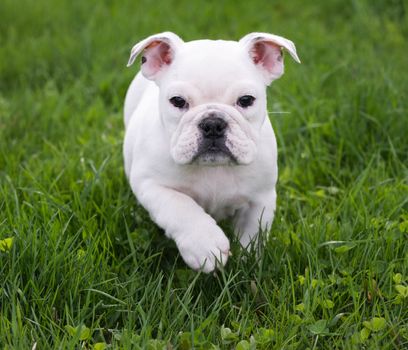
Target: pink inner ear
269, 56
164, 53
155, 56
258, 52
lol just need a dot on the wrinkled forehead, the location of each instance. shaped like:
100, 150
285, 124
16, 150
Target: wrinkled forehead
215, 65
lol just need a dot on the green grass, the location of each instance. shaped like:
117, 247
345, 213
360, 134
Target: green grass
334, 274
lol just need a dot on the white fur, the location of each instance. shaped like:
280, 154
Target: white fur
184, 196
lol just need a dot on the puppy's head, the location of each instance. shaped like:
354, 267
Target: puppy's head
213, 93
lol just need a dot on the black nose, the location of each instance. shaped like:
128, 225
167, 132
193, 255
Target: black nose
213, 127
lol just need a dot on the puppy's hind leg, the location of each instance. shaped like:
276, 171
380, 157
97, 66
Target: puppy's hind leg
258, 216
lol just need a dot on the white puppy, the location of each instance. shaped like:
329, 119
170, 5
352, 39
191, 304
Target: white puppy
199, 146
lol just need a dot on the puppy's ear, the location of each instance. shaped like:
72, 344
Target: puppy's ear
158, 53
265, 50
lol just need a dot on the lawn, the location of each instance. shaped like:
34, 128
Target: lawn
83, 266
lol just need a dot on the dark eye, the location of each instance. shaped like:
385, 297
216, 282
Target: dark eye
178, 102
246, 101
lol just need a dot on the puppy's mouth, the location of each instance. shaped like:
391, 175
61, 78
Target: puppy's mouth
214, 152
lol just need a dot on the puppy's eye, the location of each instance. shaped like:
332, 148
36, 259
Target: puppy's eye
246, 101
178, 102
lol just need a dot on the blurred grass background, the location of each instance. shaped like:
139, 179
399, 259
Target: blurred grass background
85, 255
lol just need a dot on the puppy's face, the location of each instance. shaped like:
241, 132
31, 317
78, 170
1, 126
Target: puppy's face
213, 93
212, 102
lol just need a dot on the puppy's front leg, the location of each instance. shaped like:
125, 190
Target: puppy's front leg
202, 244
257, 216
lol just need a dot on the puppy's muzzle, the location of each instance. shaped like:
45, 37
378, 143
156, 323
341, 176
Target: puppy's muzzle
212, 148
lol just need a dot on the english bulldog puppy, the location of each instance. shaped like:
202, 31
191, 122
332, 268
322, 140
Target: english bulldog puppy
199, 146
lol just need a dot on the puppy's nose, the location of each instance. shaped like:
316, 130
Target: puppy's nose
213, 127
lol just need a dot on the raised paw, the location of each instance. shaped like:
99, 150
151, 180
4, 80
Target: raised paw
204, 250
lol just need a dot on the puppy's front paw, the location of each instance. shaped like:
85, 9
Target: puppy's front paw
204, 249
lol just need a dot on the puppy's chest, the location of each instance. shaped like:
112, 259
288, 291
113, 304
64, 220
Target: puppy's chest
219, 194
